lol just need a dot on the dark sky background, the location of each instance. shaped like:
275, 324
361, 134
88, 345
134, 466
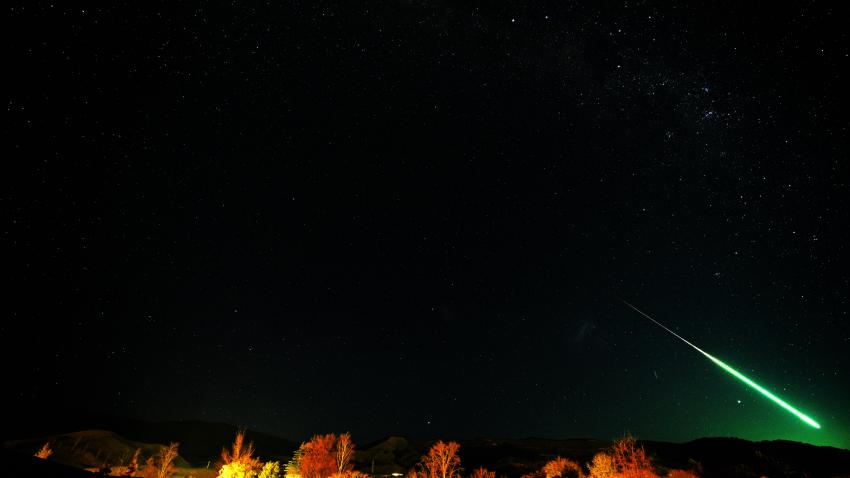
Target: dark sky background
412, 217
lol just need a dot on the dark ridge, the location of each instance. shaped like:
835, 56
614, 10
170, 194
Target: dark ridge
200, 441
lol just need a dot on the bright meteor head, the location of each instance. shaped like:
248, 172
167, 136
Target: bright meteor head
735, 373
763, 391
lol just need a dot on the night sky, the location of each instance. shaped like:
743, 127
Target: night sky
413, 217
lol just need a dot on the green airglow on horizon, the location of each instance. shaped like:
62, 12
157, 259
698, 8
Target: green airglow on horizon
735, 373
762, 390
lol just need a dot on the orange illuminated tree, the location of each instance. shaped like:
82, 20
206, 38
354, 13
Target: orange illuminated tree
442, 461
317, 457
44, 452
631, 460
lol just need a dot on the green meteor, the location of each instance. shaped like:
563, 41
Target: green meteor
735, 373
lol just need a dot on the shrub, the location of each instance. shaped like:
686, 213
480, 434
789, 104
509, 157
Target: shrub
562, 468
161, 465
631, 460
44, 452
482, 472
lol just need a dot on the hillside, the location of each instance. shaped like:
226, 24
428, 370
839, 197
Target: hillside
200, 442
393, 454
89, 449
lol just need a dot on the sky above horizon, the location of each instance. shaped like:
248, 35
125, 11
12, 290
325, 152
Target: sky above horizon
416, 218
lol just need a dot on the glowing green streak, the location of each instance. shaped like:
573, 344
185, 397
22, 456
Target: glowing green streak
735, 373
763, 391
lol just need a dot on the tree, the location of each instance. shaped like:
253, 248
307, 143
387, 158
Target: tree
441, 461
133, 467
482, 472
241, 453
130, 469
631, 460
293, 467
602, 466
317, 457
343, 451
270, 470
239, 461
562, 468
44, 452
236, 469
162, 465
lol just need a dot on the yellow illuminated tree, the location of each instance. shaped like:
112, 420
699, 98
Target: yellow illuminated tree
239, 461
236, 469
270, 470
293, 467
240, 452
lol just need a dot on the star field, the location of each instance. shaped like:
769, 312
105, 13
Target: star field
415, 217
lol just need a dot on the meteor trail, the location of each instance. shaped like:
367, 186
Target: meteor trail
735, 373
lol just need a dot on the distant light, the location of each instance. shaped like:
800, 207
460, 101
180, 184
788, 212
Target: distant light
396, 474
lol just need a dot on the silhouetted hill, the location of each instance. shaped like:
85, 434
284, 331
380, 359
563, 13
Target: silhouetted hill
200, 441
89, 449
734, 457
393, 454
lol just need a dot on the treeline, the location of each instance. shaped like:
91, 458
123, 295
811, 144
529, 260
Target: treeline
331, 456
